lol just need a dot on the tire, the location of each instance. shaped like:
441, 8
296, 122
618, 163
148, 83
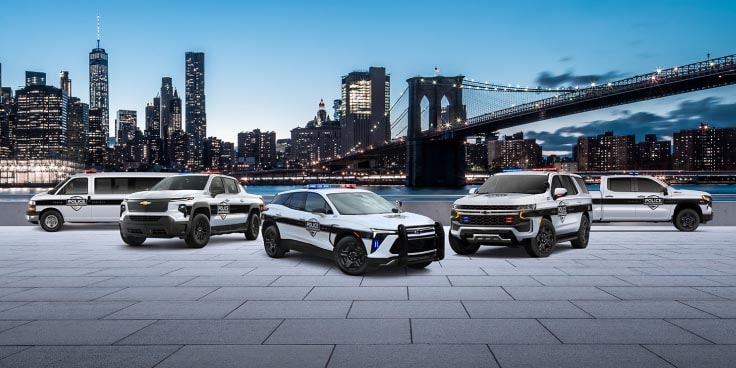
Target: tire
133, 241
253, 226
420, 265
351, 256
271, 240
199, 233
52, 221
541, 245
581, 241
462, 247
687, 220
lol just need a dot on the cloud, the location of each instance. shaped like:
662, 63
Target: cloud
566, 59
549, 80
687, 115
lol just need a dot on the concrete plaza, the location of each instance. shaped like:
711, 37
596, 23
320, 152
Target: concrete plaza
644, 296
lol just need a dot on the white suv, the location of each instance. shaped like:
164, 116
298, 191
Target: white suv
356, 228
192, 207
536, 209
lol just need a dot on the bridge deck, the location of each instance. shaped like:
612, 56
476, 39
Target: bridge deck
637, 297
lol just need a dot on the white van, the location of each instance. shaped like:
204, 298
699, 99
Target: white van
87, 198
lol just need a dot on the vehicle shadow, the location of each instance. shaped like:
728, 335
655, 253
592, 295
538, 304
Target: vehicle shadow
514, 252
178, 244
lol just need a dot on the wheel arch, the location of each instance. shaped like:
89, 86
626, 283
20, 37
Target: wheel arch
687, 205
201, 208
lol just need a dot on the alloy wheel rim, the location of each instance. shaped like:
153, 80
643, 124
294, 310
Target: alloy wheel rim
586, 232
200, 231
270, 242
51, 221
254, 224
351, 257
544, 240
688, 221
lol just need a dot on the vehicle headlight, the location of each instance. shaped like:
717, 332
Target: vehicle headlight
528, 207
182, 199
379, 235
455, 214
707, 198
31, 203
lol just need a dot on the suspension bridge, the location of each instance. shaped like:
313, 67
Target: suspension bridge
433, 115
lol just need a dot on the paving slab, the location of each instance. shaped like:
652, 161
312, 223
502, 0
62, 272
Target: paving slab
407, 309
558, 293
286, 309
458, 293
59, 294
711, 356
230, 281
159, 293
658, 293
576, 356
480, 331
203, 332
719, 308
89, 356
63, 310
493, 281
258, 293
357, 293
718, 331
237, 356
449, 356
71, 332
640, 309
619, 331
341, 331
523, 309
177, 310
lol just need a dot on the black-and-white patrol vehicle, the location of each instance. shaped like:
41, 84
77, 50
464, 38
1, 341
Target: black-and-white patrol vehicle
89, 198
625, 198
357, 228
536, 209
192, 207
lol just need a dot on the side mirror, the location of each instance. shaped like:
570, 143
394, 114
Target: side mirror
665, 191
398, 204
559, 193
473, 191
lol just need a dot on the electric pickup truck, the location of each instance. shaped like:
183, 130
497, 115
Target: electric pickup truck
625, 198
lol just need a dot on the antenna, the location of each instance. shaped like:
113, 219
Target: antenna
98, 31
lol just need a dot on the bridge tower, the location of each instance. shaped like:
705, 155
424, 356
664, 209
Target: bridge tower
439, 160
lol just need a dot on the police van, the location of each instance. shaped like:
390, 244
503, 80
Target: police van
89, 197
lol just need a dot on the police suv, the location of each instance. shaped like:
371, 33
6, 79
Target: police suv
356, 228
192, 207
90, 197
536, 209
648, 199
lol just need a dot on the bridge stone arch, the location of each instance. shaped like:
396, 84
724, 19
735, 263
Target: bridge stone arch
438, 162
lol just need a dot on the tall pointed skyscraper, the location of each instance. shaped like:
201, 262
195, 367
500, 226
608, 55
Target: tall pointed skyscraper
196, 116
99, 98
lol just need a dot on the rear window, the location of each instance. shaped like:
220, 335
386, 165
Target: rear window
568, 185
619, 184
296, 201
124, 185
647, 185
280, 199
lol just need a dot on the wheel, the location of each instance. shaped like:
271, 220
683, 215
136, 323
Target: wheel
583, 234
199, 233
51, 221
462, 247
133, 241
687, 220
351, 256
271, 240
542, 244
253, 225
419, 265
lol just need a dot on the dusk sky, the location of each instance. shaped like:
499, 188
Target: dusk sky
269, 63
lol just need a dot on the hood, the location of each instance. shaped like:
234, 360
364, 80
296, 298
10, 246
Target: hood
165, 194
686, 193
498, 199
391, 221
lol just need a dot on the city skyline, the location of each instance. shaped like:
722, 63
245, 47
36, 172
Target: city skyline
278, 89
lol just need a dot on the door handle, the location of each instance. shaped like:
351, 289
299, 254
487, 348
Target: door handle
641, 196
302, 219
227, 200
609, 196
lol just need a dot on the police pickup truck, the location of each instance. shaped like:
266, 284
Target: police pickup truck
192, 207
648, 199
536, 209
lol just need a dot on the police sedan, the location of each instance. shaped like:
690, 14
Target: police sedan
357, 228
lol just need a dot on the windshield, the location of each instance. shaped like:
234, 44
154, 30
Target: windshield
54, 189
527, 184
190, 182
360, 203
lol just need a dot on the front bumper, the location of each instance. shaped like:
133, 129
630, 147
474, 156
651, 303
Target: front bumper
32, 217
410, 250
707, 217
152, 226
505, 235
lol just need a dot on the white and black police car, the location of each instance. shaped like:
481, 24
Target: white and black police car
533, 208
192, 207
357, 228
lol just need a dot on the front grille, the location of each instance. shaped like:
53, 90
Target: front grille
154, 206
145, 218
158, 232
488, 208
415, 245
135, 231
486, 220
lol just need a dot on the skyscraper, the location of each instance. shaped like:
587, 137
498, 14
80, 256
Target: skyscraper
152, 149
165, 97
65, 83
705, 149
41, 126
96, 139
126, 125
606, 152
99, 95
35, 79
257, 150
196, 116
77, 128
364, 114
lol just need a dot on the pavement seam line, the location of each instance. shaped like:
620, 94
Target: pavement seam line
617, 298
696, 308
688, 331
709, 293
168, 356
548, 330
462, 303
349, 309
203, 296
272, 281
27, 347
657, 355
272, 332
110, 314
493, 355
236, 308
134, 332
581, 308
327, 363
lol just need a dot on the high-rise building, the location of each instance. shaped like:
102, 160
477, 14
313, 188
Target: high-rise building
77, 128
257, 150
7, 122
654, 155
196, 116
165, 97
364, 114
96, 138
227, 156
35, 79
283, 153
705, 149
99, 93
476, 153
606, 152
41, 123
65, 83
514, 151
336, 107
315, 142
211, 153
152, 149
125, 126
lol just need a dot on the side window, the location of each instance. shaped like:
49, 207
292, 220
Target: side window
315, 202
581, 184
619, 184
216, 185
297, 200
231, 185
103, 185
569, 185
647, 185
281, 199
556, 183
75, 186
